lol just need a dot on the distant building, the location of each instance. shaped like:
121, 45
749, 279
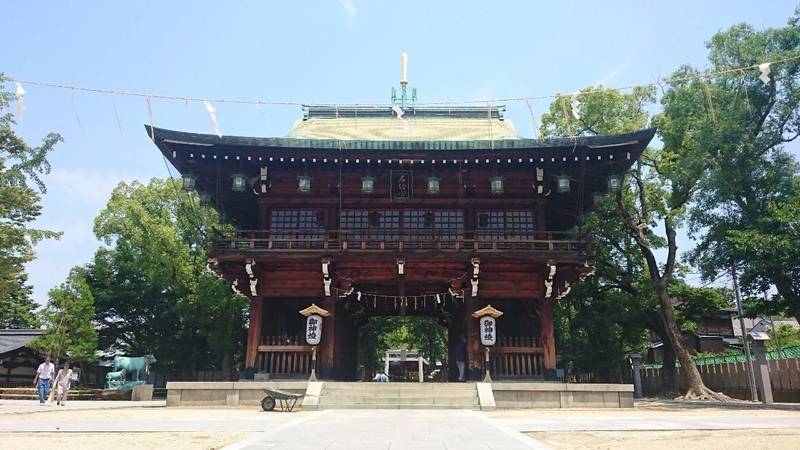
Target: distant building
18, 362
720, 332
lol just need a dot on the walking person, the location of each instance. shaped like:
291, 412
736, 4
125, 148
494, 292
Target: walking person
63, 383
460, 355
44, 379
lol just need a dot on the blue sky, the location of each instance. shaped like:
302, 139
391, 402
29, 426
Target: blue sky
311, 51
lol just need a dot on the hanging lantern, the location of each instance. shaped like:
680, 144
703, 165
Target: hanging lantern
598, 198
304, 184
562, 184
614, 183
433, 185
496, 184
239, 182
367, 184
188, 182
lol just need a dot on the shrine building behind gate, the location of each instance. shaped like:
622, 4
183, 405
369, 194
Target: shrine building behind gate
439, 212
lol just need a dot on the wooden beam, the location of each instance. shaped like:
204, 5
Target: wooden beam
284, 348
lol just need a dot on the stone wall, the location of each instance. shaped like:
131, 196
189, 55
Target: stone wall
562, 395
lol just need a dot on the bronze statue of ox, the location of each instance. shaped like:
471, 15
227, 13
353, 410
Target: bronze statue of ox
133, 365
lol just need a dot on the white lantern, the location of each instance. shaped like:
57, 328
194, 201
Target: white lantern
313, 329
488, 330
614, 183
188, 182
367, 184
496, 184
433, 185
562, 184
239, 182
304, 184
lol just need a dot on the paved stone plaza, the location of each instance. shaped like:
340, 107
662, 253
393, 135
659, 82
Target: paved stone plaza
25, 424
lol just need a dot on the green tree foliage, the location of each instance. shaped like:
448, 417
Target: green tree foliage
409, 333
745, 211
20, 204
152, 290
68, 319
783, 336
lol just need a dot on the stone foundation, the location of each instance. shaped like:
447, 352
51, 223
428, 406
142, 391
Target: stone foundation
502, 395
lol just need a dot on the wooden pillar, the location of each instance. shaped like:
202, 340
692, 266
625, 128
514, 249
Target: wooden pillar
326, 356
254, 330
474, 352
548, 338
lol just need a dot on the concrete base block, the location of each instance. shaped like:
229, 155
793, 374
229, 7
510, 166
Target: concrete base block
313, 392
142, 393
486, 396
174, 397
232, 399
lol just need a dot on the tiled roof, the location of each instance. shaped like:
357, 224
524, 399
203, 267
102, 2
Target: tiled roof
14, 339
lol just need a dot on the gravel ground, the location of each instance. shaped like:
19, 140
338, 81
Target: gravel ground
122, 441
777, 439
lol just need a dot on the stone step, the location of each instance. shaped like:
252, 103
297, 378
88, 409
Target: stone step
400, 393
390, 406
32, 390
36, 396
400, 386
472, 401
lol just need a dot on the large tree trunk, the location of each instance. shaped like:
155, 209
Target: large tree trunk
227, 366
668, 368
695, 388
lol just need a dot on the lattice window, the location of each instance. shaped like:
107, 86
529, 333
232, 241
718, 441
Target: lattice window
431, 225
304, 225
377, 225
504, 225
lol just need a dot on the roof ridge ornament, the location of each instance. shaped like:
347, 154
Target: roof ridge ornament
403, 99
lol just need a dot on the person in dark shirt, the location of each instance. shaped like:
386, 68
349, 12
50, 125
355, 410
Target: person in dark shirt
460, 355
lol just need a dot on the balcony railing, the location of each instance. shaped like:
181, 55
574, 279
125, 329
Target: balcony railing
260, 241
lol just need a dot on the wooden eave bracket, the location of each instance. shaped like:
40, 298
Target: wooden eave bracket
476, 270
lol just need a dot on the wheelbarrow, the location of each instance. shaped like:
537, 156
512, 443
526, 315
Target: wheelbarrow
287, 400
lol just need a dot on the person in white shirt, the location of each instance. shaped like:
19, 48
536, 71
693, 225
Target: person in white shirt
63, 383
44, 379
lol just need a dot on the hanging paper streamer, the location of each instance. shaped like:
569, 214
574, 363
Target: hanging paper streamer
212, 114
533, 118
75, 110
150, 118
20, 94
765, 69
116, 114
576, 104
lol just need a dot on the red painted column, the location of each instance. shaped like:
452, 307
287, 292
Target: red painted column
254, 331
548, 334
326, 351
474, 349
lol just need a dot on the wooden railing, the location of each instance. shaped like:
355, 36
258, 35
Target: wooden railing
517, 357
284, 355
400, 240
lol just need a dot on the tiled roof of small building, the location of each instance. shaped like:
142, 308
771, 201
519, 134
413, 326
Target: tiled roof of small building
14, 339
